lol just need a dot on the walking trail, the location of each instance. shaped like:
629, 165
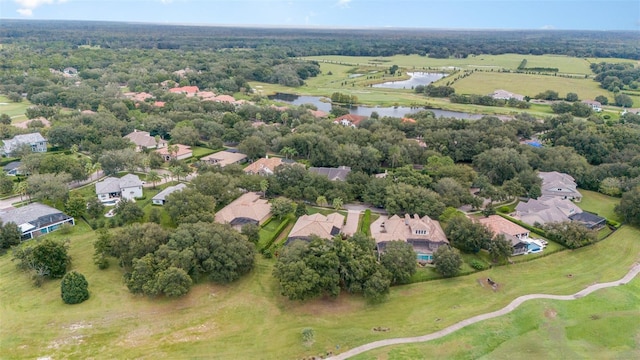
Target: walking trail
507, 309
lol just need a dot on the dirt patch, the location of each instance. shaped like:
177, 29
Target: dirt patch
490, 284
550, 313
193, 333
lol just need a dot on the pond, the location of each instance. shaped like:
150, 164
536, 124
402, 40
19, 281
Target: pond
417, 78
324, 104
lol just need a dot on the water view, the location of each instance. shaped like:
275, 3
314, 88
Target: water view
324, 104
417, 78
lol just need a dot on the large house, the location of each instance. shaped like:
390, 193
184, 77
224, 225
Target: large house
143, 140
267, 166
187, 90
177, 151
424, 234
111, 189
514, 233
35, 219
224, 158
550, 209
350, 120
334, 174
34, 140
595, 105
324, 227
161, 197
559, 185
247, 209
506, 95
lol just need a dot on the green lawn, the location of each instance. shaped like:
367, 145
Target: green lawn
603, 325
600, 204
200, 151
250, 320
15, 110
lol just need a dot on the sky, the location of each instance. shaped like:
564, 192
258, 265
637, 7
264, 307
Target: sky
433, 14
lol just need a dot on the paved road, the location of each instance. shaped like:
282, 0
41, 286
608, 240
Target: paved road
507, 309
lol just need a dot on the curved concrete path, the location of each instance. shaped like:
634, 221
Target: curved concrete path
505, 310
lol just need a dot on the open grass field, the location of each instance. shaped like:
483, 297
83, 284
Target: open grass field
15, 110
250, 320
565, 64
599, 204
528, 84
602, 325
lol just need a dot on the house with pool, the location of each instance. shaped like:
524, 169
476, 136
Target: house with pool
423, 233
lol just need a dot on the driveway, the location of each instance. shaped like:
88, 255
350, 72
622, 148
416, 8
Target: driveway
351, 226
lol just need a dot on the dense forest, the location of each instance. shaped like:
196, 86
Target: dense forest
307, 42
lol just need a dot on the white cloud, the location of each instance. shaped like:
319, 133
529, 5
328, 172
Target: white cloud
343, 3
27, 6
25, 12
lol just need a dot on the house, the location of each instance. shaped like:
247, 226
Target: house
505, 95
423, 233
224, 99
187, 90
589, 220
319, 114
334, 174
247, 209
595, 105
176, 151
144, 140
111, 188
324, 227
349, 120
516, 234
545, 209
559, 185
34, 140
36, 219
161, 197
13, 168
224, 158
70, 72
267, 166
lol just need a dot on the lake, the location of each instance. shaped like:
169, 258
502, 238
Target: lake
417, 78
324, 104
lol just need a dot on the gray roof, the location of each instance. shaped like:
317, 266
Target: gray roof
12, 144
35, 214
12, 165
130, 180
115, 185
339, 173
162, 195
558, 184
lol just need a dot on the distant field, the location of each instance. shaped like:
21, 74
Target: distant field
15, 110
564, 64
529, 85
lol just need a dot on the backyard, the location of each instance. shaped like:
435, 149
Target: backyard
238, 320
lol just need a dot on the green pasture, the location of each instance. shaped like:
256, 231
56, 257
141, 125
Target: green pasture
565, 64
15, 110
599, 204
528, 85
249, 319
602, 325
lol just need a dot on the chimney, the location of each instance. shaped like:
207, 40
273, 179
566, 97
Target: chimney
407, 217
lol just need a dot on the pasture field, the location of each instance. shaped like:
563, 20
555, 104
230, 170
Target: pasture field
528, 84
565, 64
599, 204
250, 320
602, 325
15, 110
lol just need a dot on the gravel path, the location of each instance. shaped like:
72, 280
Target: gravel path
507, 309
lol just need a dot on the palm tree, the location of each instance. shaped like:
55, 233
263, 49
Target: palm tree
264, 185
177, 171
337, 203
154, 177
288, 151
20, 188
321, 201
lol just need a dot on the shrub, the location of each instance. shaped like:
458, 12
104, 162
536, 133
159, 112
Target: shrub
477, 264
504, 209
65, 229
74, 288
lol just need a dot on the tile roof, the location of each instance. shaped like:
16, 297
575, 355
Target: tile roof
224, 158
499, 225
247, 206
558, 184
351, 118
144, 139
264, 166
182, 150
325, 227
185, 90
404, 228
546, 209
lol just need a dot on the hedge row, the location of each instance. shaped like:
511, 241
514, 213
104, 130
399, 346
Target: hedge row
365, 225
277, 233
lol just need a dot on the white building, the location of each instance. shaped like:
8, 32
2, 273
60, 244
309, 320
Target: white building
111, 189
34, 140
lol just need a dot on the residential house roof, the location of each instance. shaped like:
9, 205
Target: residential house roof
325, 227
506, 95
265, 166
593, 103
16, 141
350, 119
339, 173
162, 195
115, 185
12, 165
224, 158
319, 113
499, 225
546, 209
224, 98
32, 216
182, 150
588, 219
206, 95
558, 184
159, 103
144, 139
407, 228
189, 90
248, 206
130, 180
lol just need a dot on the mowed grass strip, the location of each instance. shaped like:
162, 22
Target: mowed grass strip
250, 320
599, 204
15, 110
603, 325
